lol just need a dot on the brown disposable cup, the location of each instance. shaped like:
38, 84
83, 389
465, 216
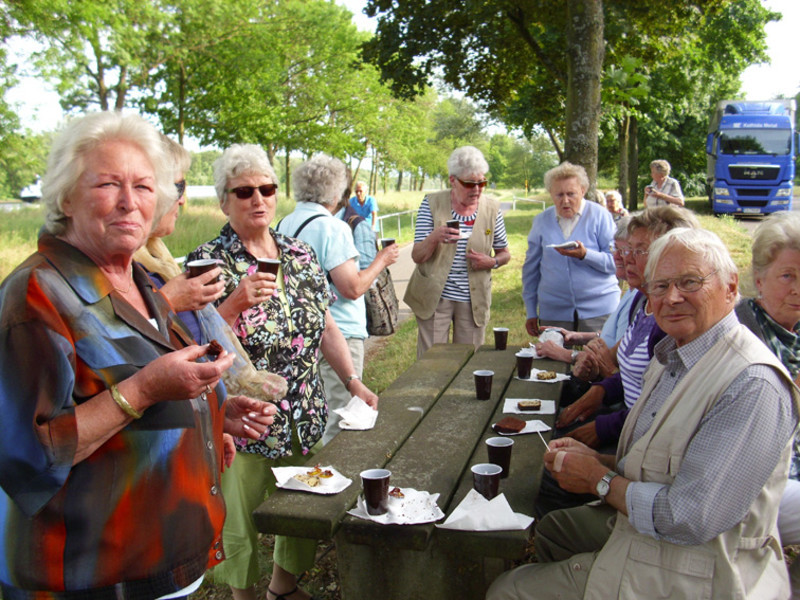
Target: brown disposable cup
483, 384
454, 224
486, 479
500, 338
524, 365
200, 266
499, 449
376, 490
387, 242
268, 265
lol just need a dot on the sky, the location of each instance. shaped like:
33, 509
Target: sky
39, 109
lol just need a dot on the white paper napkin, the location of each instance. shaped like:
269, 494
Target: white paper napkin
530, 427
510, 406
357, 415
415, 507
559, 377
476, 513
330, 485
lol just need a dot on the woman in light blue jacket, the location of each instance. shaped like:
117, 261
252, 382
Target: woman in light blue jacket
572, 286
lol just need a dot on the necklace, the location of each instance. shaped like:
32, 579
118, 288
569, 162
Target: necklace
130, 284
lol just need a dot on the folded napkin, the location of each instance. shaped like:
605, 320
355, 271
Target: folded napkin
414, 507
510, 407
476, 513
357, 415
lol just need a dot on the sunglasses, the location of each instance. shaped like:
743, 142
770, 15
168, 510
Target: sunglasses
471, 184
246, 191
181, 187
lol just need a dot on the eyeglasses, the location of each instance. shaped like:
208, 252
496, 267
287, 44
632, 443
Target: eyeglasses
632, 252
687, 283
244, 192
471, 184
181, 187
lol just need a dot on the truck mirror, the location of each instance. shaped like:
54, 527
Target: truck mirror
709, 143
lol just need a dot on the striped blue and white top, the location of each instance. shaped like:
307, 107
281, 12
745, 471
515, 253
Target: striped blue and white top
457, 286
633, 355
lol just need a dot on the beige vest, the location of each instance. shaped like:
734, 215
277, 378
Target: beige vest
743, 562
427, 282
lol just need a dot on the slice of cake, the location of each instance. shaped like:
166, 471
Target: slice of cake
509, 425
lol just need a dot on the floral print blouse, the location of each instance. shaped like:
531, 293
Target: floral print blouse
281, 335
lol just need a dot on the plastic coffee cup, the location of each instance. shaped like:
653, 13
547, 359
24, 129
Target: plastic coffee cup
524, 364
500, 338
454, 224
486, 479
200, 266
268, 265
499, 449
483, 384
376, 490
387, 242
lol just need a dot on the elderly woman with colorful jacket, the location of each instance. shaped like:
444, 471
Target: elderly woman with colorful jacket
573, 287
452, 282
112, 415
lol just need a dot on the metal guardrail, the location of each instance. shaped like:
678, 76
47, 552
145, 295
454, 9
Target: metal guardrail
398, 216
536, 200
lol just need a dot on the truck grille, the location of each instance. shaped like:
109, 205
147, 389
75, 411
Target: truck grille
755, 172
753, 203
752, 192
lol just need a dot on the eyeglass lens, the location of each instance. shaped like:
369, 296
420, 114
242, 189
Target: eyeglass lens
471, 184
246, 191
181, 187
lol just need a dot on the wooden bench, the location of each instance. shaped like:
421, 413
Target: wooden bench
430, 430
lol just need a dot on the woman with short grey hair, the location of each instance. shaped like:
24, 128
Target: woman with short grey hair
237, 160
318, 187
663, 189
460, 238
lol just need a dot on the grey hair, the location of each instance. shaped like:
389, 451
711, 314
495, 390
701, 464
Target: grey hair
779, 231
321, 179
180, 157
361, 184
67, 161
615, 195
566, 170
661, 166
465, 161
702, 242
661, 219
622, 232
240, 159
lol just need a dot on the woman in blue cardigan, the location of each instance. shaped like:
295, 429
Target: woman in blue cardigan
570, 287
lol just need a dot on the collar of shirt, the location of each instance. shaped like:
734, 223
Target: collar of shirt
567, 225
694, 350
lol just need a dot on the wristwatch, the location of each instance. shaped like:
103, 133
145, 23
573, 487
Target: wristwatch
496, 264
349, 379
604, 485
573, 357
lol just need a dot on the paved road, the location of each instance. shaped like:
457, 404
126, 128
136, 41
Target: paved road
750, 223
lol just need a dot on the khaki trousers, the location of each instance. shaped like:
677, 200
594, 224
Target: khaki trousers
436, 330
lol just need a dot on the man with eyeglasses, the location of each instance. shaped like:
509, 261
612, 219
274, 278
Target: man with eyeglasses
690, 502
460, 239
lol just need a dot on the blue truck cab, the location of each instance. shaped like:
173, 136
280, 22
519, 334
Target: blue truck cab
751, 148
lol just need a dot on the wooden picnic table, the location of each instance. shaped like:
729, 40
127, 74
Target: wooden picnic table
430, 430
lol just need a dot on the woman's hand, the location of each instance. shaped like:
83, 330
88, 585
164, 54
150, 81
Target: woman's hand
586, 434
583, 408
550, 349
193, 293
228, 451
252, 290
479, 261
389, 255
532, 326
604, 357
586, 367
175, 376
357, 388
578, 252
248, 417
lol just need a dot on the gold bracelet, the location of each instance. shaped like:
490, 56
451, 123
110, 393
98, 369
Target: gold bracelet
123, 403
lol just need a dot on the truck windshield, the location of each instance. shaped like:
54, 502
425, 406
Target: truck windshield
755, 141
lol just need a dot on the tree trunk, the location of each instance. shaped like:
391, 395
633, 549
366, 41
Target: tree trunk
584, 67
622, 180
399, 185
288, 174
633, 169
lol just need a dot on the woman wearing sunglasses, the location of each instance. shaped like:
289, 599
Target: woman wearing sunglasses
282, 322
460, 238
568, 277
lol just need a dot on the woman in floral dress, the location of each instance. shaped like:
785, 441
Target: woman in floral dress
282, 322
